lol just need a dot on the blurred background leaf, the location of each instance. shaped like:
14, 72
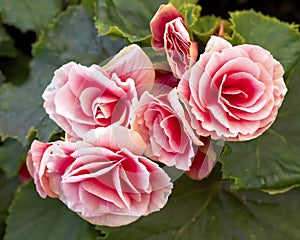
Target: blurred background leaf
11, 152
72, 37
27, 15
32, 217
129, 20
7, 190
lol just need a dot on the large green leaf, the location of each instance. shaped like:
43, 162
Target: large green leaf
128, 19
27, 15
272, 161
281, 39
179, 3
7, 190
72, 37
32, 217
189, 9
89, 6
204, 27
11, 151
190, 12
209, 210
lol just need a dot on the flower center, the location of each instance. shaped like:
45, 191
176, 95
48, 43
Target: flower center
102, 112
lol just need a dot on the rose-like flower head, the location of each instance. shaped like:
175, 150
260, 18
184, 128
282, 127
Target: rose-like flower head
46, 163
170, 33
81, 98
233, 93
107, 184
165, 14
181, 51
104, 178
162, 124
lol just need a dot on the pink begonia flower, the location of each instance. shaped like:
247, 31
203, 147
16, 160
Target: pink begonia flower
81, 98
181, 52
233, 93
170, 33
162, 124
165, 14
132, 62
46, 163
107, 184
203, 162
104, 178
217, 44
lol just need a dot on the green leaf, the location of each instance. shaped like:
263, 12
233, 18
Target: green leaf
32, 217
234, 37
129, 20
189, 10
179, 3
7, 48
205, 27
287, 124
11, 153
270, 162
73, 37
89, 6
78, 41
28, 15
280, 38
190, 13
46, 128
209, 210
7, 190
